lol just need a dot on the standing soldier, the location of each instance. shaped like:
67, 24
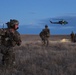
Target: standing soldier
44, 35
75, 37
72, 36
9, 39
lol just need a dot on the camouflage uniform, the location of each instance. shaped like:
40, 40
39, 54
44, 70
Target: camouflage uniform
44, 35
72, 36
75, 38
8, 41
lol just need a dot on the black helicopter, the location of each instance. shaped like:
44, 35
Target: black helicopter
62, 22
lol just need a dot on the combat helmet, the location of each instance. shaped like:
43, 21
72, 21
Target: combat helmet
12, 23
46, 26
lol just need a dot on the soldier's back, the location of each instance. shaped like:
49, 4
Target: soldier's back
47, 32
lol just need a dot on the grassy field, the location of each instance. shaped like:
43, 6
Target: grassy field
32, 58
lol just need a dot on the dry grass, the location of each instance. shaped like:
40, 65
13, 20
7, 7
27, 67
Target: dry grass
34, 59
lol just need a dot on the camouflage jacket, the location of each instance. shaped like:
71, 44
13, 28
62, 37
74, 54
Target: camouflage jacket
10, 39
45, 33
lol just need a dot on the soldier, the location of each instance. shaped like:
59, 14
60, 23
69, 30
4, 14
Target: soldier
72, 36
9, 39
75, 37
44, 35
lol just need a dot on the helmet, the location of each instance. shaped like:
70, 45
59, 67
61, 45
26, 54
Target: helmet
46, 26
12, 23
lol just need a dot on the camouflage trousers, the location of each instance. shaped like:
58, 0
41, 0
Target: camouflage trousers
45, 41
8, 55
72, 38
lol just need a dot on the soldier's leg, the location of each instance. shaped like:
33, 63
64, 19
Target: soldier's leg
47, 41
8, 58
11, 58
43, 41
4, 54
72, 39
5, 60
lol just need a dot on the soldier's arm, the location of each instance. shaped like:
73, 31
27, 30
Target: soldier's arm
17, 38
19, 41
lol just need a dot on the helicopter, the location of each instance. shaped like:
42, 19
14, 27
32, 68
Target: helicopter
62, 22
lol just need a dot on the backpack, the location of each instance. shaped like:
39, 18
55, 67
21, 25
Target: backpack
47, 32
